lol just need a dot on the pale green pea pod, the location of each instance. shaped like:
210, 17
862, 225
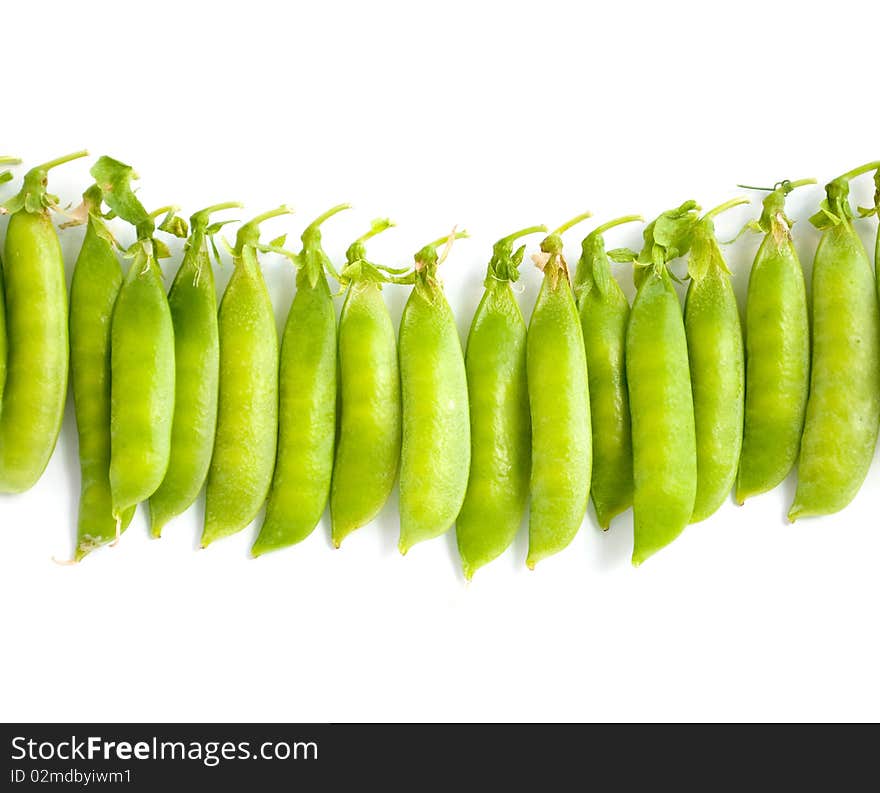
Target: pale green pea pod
717, 368
777, 351
436, 443
660, 396
141, 348
843, 409
193, 303
35, 309
368, 449
246, 437
498, 395
97, 278
5, 176
559, 403
604, 312
307, 402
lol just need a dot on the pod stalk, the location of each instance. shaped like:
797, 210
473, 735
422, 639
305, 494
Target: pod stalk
313, 226
573, 222
715, 211
617, 222
204, 215
867, 167
46, 166
249, 233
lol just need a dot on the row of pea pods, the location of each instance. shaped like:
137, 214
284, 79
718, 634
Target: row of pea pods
644, 405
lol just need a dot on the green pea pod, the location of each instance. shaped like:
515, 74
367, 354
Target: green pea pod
436, 443
35, 303
193, 303
777, 353
307, 405
875, 210
5, 176
498, 395
715, 352
142, 382
843, 408
877, 213
604, 313
368, 451
247, 408
659, 385
97, 278
559, 404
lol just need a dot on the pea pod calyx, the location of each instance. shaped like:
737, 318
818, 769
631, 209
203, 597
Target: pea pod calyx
667, 237
550, 260
836, 208
113, 180
428, 260
248, 235
33, 196
312, 260
773, 219
504, 264
593, 268
359, 269
705, 252
201, 228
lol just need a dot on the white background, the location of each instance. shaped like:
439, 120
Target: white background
491, 116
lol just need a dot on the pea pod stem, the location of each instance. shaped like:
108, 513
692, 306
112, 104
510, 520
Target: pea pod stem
6, 175
733, 202
573, 222
358, 268
377, 227
862, 169
203, 216
313, 226
456, 235
249, 233
163, 210
61, 160
786, 186
504, 264
616, 222
521, 233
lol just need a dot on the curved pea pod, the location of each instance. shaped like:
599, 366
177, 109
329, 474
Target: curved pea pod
777, 354
498, 395
436, 444
5, 176
307, 405
368, 452
141, 349
717, 367
877, 213
604, 314
192, 300
247, 407
660, 396
843, 408
142, 383
35, 303
559, 404
97, 278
